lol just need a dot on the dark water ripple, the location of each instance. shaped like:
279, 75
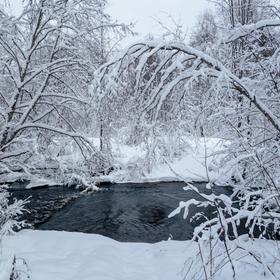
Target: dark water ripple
124, 212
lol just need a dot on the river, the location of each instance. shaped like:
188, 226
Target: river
124, 212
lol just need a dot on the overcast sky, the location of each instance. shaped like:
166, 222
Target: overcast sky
142, 12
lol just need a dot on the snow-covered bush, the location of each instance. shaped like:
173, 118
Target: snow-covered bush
226, 239
10, 221
241, 257
10, 212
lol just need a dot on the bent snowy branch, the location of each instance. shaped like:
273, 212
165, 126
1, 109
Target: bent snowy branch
185, 64
245, 30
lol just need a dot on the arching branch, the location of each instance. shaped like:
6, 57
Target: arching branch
187, 63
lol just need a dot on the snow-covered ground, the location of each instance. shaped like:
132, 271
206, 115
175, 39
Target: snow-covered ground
54, 255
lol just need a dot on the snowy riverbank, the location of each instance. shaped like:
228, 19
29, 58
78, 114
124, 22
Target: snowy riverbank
197, 162
67, 256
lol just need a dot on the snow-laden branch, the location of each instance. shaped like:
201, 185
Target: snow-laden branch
245, 30
252, 212
196, 64
64, 96
50, 128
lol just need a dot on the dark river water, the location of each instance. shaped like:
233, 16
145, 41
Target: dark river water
124, 212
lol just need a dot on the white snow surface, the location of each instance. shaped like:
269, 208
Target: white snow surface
40, 183
70, 256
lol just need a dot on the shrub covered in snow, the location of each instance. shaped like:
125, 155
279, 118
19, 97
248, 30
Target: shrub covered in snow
10, 211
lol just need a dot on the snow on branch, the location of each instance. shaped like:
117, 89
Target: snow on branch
53, 129
193, 65
245, 30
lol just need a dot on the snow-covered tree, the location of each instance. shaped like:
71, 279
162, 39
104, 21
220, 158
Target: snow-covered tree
238, 76
48, 57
